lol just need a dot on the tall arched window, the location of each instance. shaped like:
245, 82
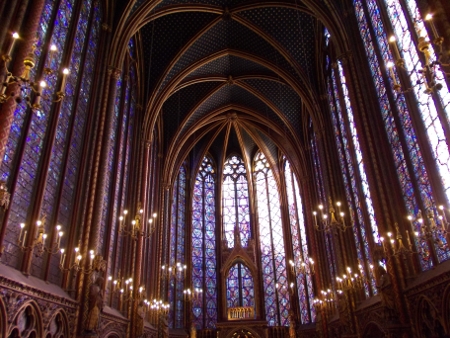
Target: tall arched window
273, 262
204, 260
30, 132
235, 201
406, 144
299, 245
177, 250
351, 161
119, 156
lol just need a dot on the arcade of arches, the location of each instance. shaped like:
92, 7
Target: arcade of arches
224, 168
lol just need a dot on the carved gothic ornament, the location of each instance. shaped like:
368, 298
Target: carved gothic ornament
27, 311
112, 326
251, 332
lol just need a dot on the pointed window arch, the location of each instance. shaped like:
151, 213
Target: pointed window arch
273, 262
204, 260
235, 201
304, 282
177, 250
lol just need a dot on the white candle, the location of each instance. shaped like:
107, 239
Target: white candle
15, 37
24, 238
63, 82
395, 51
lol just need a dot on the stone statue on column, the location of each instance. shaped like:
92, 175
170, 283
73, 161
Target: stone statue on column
95, 307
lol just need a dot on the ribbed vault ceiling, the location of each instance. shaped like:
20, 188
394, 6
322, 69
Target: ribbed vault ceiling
226, 76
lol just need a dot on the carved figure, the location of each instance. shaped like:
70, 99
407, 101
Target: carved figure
139, 322
193, 331
292, 333
387, 292
95, 305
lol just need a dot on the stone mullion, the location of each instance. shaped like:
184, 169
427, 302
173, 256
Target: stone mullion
116, 179
94, 207
188, 247
23, 47
49, 141
152, 242
143, 165
119, 179
147, 212
219, 239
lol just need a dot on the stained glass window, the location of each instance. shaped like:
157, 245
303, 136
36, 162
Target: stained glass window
273, 262
240, 287
300, 247
428, 107
204, 260
399, 127
355, 182
177, 254
30, 129
395, 131
235, 201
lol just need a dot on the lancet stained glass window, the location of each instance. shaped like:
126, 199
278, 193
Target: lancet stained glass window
273, 262
204, 260
300, 247
30, 129
353, 175
400, 128
240, 287
177, 253
235, 201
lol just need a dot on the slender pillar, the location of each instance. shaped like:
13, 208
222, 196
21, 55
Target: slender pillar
90, 237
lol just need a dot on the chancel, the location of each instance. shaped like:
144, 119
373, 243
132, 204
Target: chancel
224, 168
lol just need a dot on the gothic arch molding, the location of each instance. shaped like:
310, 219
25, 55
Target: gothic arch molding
30, 315
429, 322
59, 317
374, 330
3, 318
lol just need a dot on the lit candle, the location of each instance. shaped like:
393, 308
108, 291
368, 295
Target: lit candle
44, 237
37, 104
395, 51
63, 257
60, 234
390, 66
53, 51
15, 37
429, 18
24, 238
64, 77
22, 226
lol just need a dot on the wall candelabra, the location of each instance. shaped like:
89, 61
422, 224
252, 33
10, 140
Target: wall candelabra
330, 220
27, 87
